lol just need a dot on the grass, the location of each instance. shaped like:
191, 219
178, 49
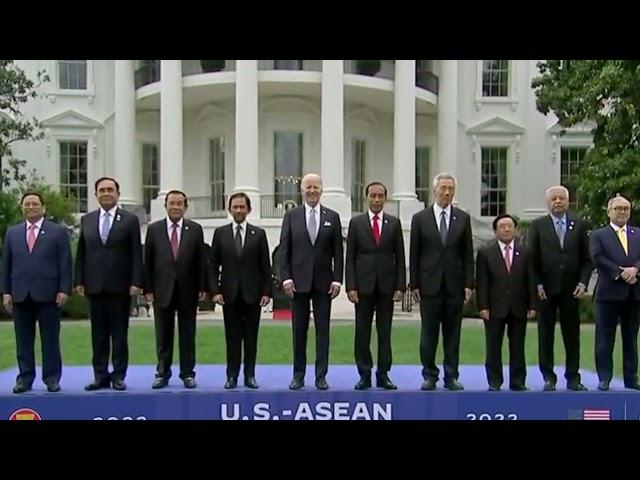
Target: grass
275, 345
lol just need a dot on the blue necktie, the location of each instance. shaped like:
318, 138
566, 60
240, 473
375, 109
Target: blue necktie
560, 232
443, 227
104, 231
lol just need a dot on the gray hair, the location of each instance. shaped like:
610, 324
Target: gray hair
547, 193
443, 176
611, 200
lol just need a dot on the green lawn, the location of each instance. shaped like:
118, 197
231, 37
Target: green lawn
275, 345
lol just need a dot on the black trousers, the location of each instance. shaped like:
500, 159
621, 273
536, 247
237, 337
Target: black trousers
443, 309
382, 305
494, 334
241, 324
109, 328
165, 319
569, 309
321, 313
607, 315
47, 314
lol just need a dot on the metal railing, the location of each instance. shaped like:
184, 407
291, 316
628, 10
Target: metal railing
427, 80
194, 67
207, 207
300, 65
148, 71
371, 68
275, 206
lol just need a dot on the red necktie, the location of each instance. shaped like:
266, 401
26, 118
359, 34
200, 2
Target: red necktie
174, 241
376, 230
31, 239
507, 258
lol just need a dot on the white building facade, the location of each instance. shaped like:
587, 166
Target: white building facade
215, 127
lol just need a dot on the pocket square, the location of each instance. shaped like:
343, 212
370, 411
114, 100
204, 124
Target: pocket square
327, 224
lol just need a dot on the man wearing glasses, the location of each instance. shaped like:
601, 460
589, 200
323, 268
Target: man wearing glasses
615, 250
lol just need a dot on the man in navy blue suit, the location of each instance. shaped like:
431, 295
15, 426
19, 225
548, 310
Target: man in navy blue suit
615, 250
36, 282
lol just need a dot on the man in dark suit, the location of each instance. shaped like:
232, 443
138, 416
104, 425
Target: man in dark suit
375, 277
240, 281
36, 282
559, 246
109, 271
441, 279
615, 250
174, 269
506, 298
311, 267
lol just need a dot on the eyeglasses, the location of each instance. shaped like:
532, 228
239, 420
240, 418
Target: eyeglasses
621, 209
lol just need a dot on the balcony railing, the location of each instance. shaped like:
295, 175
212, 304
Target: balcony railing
301, 65
207, 207
275, 206
147, 71
427, 80
194, 67
372, 68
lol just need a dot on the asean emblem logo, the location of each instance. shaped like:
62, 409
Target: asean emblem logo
25, 414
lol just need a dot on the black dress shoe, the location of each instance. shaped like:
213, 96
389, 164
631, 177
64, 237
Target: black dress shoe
160, 382
231, 383
119, 385
549, 386
250, 382
364, 383
453, 385
604, 386
21, 388
383, 381
97, 385
494, 388
53, 387
632, 386
576, 387
428, 384
321, 384
189, 382
296, 384
518, 388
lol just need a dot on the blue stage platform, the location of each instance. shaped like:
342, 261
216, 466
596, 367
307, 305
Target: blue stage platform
341, 402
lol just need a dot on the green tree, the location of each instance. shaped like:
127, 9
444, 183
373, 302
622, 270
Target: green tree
16, 89
607, 93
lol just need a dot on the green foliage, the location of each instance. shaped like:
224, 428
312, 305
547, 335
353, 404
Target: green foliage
606, 93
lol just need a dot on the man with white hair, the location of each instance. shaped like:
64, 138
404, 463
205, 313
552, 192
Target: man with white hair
441, 279
311, 266
615, 250
559, 246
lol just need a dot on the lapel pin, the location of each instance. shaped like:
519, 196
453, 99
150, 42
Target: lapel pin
386, 221
186, 227
632, 231
41, 232
517, 253
253, 232
118, 217
453, 218
327, 223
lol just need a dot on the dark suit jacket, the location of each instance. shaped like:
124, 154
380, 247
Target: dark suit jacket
429, 260
163, 273
608, 255
368, 263
560, 269
311, 265
249, 273
500, 291
114, 267
44, 272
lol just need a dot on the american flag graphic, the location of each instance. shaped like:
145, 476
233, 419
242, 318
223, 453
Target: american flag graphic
590, 414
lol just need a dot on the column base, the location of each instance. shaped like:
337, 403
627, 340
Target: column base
407, 208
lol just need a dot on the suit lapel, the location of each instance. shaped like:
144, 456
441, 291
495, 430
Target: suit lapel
453, 225
115, 224
631, 237
614, 238
499, 257
385, 227
185, 235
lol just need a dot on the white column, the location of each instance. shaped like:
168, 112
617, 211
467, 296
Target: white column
127, 162
448, 117
332, 139
246, 161
404, 139
171, 115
